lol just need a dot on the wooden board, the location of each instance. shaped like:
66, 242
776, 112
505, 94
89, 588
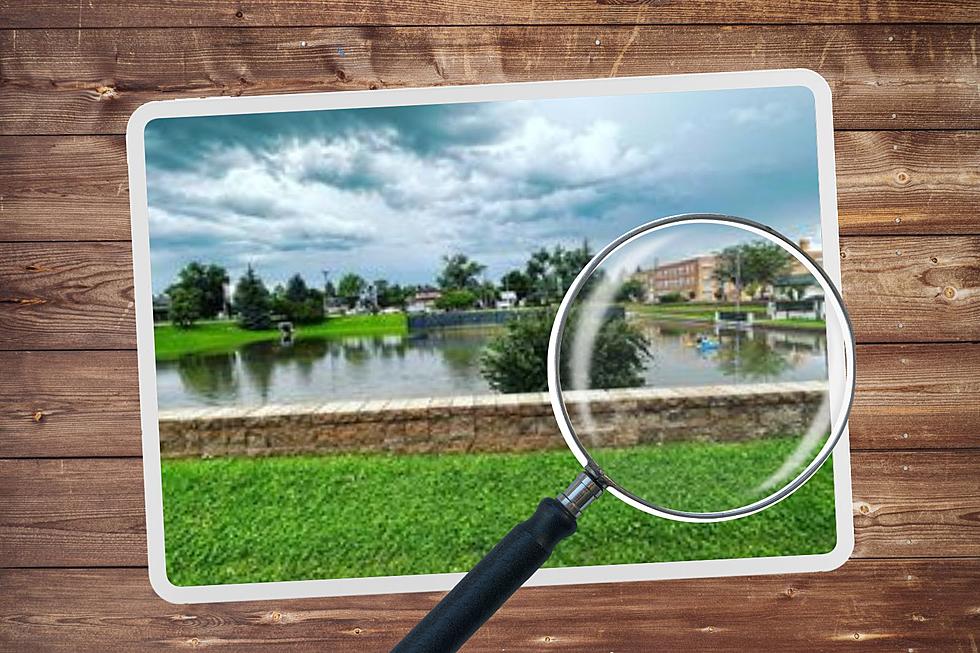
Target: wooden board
234, 13
66, 296
918, 182
901, 289
97, 413
868, 605
905, 74
912, 182
90, 81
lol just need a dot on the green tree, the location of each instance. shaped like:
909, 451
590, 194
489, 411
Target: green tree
350, 287
184, 306
456, 300
296, 289
516, 360
460, 273
298, 302
551, 273
631, 290
390, 294
752, 266
209, 282
252, 302
518, 282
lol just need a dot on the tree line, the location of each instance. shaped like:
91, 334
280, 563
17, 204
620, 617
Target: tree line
198, 293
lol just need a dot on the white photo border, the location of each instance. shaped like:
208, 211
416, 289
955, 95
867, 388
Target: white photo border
149, 417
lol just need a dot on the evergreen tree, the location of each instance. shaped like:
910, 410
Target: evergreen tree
252, 302
296, 289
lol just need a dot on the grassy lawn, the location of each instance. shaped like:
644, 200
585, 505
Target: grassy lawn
794, 323
216, 336
692, 310
236, 520
706, 313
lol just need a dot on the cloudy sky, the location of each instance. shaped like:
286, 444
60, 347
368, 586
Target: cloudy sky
387, 192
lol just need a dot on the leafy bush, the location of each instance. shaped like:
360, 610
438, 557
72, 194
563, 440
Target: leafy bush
671, 298
516, 360
456, 300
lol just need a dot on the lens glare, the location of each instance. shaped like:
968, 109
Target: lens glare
695, 367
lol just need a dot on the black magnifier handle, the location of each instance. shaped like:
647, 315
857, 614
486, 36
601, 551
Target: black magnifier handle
500, 573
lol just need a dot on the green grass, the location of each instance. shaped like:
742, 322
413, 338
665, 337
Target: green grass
794, 323
218, 336
691, 311
235, 520
706, 313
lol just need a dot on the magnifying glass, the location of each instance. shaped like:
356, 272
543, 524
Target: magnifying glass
694, 452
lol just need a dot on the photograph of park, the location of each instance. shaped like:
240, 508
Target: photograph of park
351, 319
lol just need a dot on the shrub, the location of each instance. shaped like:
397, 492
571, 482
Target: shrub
516, 360
456, 300
671, 298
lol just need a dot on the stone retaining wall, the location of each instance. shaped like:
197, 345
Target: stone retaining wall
516, 422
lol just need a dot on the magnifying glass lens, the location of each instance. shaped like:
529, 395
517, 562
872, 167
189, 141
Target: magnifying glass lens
695, 366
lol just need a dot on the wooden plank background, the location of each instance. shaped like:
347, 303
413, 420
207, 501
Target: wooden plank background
907, 109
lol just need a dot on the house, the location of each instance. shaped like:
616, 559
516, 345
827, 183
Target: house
161, 307
424, 301
507, 300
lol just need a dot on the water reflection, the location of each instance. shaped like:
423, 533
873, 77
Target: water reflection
435, 363
447, 362
733, 356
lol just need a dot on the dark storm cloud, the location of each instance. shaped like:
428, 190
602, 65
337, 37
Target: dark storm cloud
390, 190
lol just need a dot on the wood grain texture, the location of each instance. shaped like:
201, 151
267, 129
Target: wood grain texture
892, 183
55, 295
281, 13
78, 512
63, 188
80, 295
90, 81
89, 511
921, 182
922, 502
916, 495
68, 403
901, 289
84, 403
894, 605
917, 396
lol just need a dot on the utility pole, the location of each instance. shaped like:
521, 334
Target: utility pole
738, 280
326, 282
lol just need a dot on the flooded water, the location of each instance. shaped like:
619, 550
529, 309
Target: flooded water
447, 362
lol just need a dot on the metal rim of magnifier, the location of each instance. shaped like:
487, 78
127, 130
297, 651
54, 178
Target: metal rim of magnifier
831, 295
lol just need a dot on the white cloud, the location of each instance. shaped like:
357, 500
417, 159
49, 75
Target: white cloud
374, 191
770, 113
